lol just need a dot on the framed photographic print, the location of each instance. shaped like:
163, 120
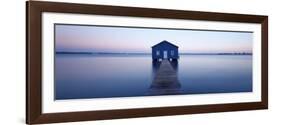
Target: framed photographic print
93, 62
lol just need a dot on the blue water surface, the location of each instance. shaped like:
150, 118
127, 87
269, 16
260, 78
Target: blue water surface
80, 76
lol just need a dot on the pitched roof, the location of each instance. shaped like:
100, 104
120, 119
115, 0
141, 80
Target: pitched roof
164, 41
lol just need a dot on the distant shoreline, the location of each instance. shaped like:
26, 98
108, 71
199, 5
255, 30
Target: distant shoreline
105, 53
74, 53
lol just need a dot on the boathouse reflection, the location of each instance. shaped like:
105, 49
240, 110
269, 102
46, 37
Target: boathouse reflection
165, 78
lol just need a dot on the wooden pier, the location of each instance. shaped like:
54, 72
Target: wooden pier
165, 80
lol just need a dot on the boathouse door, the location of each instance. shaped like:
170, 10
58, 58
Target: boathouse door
165, 53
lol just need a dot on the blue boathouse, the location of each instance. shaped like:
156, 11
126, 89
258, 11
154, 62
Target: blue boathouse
165, 50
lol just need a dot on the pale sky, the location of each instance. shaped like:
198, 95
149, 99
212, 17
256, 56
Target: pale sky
77, 38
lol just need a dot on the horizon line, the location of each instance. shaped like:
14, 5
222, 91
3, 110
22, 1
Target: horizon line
72, 52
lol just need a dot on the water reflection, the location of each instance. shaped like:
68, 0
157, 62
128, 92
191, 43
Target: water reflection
81, 76
165, 78
174, 64
156, 65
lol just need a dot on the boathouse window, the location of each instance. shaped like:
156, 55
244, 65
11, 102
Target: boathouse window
172, 52
157, 52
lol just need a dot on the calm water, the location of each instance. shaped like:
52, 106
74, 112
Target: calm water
91, 76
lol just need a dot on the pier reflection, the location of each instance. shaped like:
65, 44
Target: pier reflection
165, 78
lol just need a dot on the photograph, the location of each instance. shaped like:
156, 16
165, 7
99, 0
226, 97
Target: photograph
99, 62
103, 61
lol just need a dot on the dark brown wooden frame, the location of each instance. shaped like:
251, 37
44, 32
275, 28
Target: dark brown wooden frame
34, 11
